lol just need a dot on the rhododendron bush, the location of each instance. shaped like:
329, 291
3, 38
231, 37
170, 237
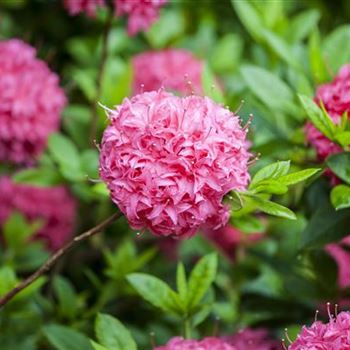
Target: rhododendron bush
174, 175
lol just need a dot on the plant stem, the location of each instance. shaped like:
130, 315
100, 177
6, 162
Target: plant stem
55, 257
187, 327
100, 72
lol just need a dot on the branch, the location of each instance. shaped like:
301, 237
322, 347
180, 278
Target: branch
101, 68
55, 257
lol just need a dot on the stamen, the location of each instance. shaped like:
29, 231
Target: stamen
241, 104
329, 311
316, 314
284, 344
152, 340
287, 336
216, 326
249, 121
96, 145
336, 310
142, 88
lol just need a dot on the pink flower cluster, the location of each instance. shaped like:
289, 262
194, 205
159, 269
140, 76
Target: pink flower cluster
54, 205
253, 339
173, 69
141, 13
209, 343
342, 258
336, 98
30, 102
229, 238
168, 161
333, 335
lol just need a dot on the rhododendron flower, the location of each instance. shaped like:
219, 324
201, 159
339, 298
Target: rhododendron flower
253, 339
30, 102
75, 7
342, 258
335, 97
228, 239
141, 13
173, 69
319, 336
54, 205
168, 161
209, 343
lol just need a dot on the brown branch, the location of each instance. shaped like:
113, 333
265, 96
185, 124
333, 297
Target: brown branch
55, 257
101, 69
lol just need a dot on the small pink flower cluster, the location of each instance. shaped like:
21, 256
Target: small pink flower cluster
54, 205
168, 161
333, 335
173, 69
141, 13
30, 102
253, 339
336, 99
209, 343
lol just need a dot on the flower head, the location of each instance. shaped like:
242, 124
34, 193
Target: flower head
333, 335
335, 97
54, 205
75, 7
168, 161
30, 102
141, 13
253, 339
209, 343
229, 238
173, 69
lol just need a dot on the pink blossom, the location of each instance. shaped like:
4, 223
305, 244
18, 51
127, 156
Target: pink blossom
141, 13
253, 339
209, 343
333, 335
30, 102
168, 161
75, 7
54, 205
173, 69
335, 97
342, 258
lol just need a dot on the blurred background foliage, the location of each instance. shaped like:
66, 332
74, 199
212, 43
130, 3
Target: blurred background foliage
264, 52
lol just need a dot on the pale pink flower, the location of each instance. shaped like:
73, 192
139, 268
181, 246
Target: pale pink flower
253, 339
333, 335
336, 99
54, 205
30, 102
76, 7
228, 239
173, 69
168, 161
210, 343
141, 13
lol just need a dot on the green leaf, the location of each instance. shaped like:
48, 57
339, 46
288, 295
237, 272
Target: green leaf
41, 177
302, 24
112, 334
298, 176
66, 296
181, 282
155, 291
202, 276
270, 89
210, 86
340, 197
281, 48
89, 163
318, 117
250, 18
7, 279
97, 346
270, 186
340, 165
343, 138
326, 225
236, 201
271, 171
66, 155
336, 47
272, 208
317, 61
248, 224
64, 338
